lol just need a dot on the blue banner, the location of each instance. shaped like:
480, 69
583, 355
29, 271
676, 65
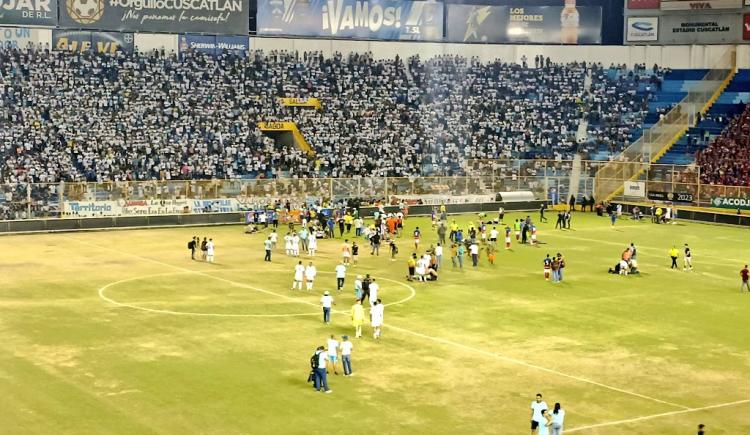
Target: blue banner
215, 45
527, 24
364, 19
100, 42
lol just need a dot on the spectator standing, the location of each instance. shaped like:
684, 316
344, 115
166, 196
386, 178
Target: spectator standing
319, 369
674, 254
268, 245
346, 355
558, 419
358, 318
326, 301
332, 350
191, 246
537, 408
340, 276
377, 313
745, 277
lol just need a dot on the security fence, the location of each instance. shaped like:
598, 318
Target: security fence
547, 179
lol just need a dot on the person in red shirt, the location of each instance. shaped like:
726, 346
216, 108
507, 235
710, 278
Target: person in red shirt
745, 274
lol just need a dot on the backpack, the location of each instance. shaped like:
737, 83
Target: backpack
314, 360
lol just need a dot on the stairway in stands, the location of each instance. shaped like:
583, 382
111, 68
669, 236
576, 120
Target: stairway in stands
675, 86
729, 104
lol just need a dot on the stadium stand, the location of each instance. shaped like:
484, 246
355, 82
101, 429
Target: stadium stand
727, 160
155, 116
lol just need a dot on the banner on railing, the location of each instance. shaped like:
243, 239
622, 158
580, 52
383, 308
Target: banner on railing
215, 45
677, 197
529, 24
169, 16
29, 12
366, 19
731, 202
635, 188
100, 42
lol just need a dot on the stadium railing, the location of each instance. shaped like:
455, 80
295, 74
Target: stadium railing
546, 179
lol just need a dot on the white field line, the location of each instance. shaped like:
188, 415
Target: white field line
649, 417
103, 296
428, 337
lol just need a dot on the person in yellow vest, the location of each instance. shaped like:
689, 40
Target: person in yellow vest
348, 219
454, 230
358, 318
674, 253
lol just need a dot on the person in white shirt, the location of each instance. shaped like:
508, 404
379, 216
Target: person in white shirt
288, 244
310, 272
312, 244
326, 301
332, 350
537, 406
299, 272
376, 318
274, 236
558, 418
439, 255
374, 288
210, 251
346, 355
493, 234
295, 245
321, 377
340, 276
474, 251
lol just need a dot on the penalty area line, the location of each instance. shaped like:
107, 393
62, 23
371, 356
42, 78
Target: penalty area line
653, 416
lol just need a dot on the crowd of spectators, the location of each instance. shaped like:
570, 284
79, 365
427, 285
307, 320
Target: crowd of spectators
727, 159
113, 117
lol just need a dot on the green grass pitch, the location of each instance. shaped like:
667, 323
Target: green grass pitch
656, 353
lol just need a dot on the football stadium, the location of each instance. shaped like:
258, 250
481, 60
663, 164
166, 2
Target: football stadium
375, 217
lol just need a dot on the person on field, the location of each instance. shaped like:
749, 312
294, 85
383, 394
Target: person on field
204, 248
745, 276
210, 251
192, 245
538, 406
332, 350
346, 355
373, 292
376, 318
688, 259
326, 301
268, 245
340, 276
318, 362
299, 273
545, 424
674, 254
310, 273
312, 245
358, 318
558, 420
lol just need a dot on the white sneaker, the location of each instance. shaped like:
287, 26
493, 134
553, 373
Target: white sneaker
329, 391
